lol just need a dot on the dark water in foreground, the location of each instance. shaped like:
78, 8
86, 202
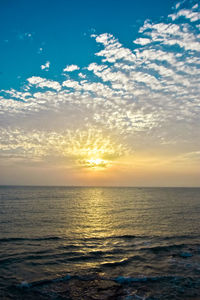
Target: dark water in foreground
135, 237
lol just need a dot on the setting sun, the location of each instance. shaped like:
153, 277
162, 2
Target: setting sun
90, 149
97, 163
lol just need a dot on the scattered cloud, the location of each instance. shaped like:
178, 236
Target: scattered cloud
142, 41
192, 14
151, 88
71, 68
44, 83
85, 149
81, 75
46, 66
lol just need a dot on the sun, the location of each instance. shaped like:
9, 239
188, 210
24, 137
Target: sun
91, 149
97, 163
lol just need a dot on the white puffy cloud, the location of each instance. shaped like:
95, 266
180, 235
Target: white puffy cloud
44, 83
81, 75
187, 13
142, 41
46, 66
113, 50
71, 68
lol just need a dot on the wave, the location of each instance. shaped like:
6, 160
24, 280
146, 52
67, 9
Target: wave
25, 284
99, 287
15, 239
46, 238
172, 247
117, 237
166, 248
119, 279
117, 263
126, 280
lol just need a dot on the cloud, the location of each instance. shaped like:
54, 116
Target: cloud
46, 66
113, 50
88, 149
188, 158
142, 41
151, 88
190, 14
81, 75
71, 68
44, 83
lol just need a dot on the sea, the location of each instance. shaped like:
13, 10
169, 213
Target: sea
99, 243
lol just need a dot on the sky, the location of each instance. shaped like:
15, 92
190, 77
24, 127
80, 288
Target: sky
100, 92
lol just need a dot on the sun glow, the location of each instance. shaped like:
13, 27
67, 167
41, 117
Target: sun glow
89, 149
97, 163
93, 150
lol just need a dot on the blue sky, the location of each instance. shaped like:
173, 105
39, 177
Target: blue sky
100, 92
33, 32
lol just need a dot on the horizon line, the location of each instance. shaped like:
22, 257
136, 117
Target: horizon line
94, 186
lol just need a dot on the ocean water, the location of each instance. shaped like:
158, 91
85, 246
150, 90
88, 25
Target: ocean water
131, 236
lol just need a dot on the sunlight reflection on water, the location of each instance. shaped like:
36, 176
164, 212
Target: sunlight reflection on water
114, 231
